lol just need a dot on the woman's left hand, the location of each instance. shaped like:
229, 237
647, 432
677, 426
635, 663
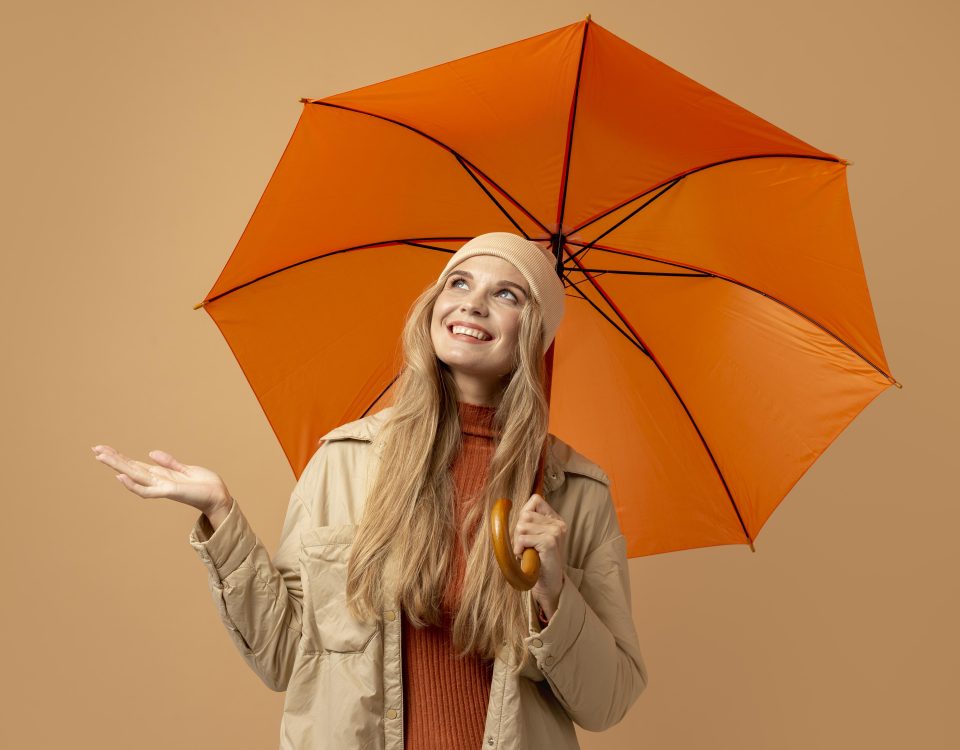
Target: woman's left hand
541, 527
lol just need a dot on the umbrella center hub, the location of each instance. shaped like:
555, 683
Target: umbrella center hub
557, 242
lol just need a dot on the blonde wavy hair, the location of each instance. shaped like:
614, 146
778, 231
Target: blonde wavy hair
408, 518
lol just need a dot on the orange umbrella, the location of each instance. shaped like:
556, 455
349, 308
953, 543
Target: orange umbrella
719, 332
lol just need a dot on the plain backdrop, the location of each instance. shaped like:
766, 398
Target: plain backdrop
137, 139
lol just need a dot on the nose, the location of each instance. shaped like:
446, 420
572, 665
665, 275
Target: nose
474, 303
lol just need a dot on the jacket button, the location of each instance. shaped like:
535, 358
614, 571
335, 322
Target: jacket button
489, 740
390, 615
548, 660
536, 642
392, 713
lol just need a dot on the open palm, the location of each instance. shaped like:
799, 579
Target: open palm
196, 486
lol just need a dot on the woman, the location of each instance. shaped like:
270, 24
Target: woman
383, 614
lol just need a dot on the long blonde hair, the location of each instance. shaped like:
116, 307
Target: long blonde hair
408, 518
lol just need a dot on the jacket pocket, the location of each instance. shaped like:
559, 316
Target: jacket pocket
327, 623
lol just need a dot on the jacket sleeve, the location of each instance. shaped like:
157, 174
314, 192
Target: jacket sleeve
589, 652
259, 600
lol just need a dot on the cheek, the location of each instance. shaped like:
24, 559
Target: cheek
511, 327
436, 324
435, 328
436, 316
441, 307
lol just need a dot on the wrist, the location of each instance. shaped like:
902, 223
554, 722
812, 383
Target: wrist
219, 505
547, 609
548, 605
221, 501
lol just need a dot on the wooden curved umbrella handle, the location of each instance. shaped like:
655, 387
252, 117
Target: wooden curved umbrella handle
523, 575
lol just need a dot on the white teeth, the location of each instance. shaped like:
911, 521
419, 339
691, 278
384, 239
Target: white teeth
471, 332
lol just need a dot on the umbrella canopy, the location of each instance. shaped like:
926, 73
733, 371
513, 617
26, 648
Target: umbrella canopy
718, 334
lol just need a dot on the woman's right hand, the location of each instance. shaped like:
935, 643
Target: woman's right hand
192, 485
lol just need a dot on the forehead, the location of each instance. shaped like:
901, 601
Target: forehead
491, 268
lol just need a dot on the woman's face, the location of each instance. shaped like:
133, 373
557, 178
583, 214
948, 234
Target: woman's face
475, 323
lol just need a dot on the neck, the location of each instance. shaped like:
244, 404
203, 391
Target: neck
471, 390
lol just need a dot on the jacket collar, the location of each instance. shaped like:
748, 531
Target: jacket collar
561, 458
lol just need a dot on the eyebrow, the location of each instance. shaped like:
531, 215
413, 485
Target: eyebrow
503, 282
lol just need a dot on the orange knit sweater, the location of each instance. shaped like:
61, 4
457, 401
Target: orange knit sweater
445, 697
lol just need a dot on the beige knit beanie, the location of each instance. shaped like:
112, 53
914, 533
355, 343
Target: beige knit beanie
536, 264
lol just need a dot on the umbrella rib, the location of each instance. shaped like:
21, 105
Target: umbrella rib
573, 283
442, 145
490, 196
633, 213
607, 317
676, 393
380, 396
424, 246
694, 170
568, 148
413, 242
636, 273
707, 272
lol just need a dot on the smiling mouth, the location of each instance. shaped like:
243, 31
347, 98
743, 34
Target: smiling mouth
465, 333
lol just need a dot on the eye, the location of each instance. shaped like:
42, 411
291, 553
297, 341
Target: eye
457, 280
512, 295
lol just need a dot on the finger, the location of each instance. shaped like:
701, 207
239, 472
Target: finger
545, 508
532, 503
139, 489
543, 543
116, 460
165, 459
518, 547
111, 451
551, 526
538, 504
107, 450
154, 469
533, 516
103, 450
520, 534
137, 473
542, 519
556, 528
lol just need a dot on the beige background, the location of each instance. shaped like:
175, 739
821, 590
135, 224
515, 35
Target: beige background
137, 138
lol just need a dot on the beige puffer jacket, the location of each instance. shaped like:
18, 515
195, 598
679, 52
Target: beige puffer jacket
288, 616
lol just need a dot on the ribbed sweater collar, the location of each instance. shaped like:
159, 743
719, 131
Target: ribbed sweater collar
477, 420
